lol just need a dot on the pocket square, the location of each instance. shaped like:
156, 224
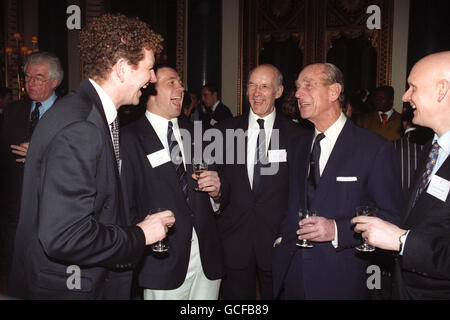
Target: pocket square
277, 241
346, 179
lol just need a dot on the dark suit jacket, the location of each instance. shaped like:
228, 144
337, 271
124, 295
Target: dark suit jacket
148, 188
16, 126
370, 166
71, 208
220, 113
250, 221
423, 272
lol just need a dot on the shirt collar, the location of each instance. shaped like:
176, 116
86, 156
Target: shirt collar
333, 132
160, 124
214, 107
108, 105
389, 113
443, 141
268, 120
45, 105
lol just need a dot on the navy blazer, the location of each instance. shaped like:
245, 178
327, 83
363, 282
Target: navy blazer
148, 188
72, 210
423, 271
362, 169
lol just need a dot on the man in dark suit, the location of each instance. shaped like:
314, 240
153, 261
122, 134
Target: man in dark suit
213, 110
423, 239
74, 239
43, 74
257, 176
335, 169
158, 173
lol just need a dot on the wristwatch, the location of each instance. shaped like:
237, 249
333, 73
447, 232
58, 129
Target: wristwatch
402, 240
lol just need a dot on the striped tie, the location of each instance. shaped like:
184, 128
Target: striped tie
115, 136
34, 117
177, 160
431, 162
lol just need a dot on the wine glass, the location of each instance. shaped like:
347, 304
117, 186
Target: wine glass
160, 246
199, 167
303, 214
371, 212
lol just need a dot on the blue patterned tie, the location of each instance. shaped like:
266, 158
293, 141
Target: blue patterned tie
260, 155
177, 160
431, 162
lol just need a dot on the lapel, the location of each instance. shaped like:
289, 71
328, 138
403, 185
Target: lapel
417, 178
150, 143
342, 148
425, 202
303, 151
98, 117
242, 123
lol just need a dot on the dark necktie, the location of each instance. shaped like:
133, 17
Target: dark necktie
34, 118
177, 160
260, 155
431, 162
314, 169
115, 136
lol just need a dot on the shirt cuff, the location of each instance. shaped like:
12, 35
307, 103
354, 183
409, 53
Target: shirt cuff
403, 246
335, 241
215, 206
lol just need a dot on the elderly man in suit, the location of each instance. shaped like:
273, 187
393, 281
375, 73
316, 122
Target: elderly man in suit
258, 196
74, 239
423, 239
335, 169
158, 173
43, 74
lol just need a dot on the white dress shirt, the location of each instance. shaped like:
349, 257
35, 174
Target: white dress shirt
161, 125
389, 114
253, 132
326, 147
108, 105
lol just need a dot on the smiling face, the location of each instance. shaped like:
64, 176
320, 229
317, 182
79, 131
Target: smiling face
318, 100
169, 94
263, 89
136, 77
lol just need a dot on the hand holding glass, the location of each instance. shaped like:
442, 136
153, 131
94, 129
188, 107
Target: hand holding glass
371, 212
199, 167
303, 214
159, 246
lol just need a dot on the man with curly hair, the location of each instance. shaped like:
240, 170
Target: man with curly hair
74, 238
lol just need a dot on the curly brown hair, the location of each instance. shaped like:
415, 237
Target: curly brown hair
111, 37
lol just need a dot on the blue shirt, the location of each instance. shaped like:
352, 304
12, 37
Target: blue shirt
45, 105
444, 150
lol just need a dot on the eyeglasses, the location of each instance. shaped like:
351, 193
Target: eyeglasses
38, 79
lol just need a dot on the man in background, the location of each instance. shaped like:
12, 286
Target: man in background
213, 110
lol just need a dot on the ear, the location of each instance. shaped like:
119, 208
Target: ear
54, 84
443, 89
334, 91
120, 69
279, 92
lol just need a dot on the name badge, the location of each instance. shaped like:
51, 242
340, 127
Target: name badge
277, 155
158, 158
439, 188
346, 179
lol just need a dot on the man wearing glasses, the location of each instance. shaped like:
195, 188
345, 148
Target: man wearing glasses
43, 74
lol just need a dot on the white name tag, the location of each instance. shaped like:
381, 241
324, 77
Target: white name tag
439, 188
158, 158
346, 179
277, 155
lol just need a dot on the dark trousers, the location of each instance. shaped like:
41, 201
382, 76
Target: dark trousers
242, 284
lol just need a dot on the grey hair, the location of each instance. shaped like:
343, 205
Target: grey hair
56, 71
280, 75
334, 75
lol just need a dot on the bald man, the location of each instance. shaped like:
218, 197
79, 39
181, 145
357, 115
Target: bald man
423, 239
